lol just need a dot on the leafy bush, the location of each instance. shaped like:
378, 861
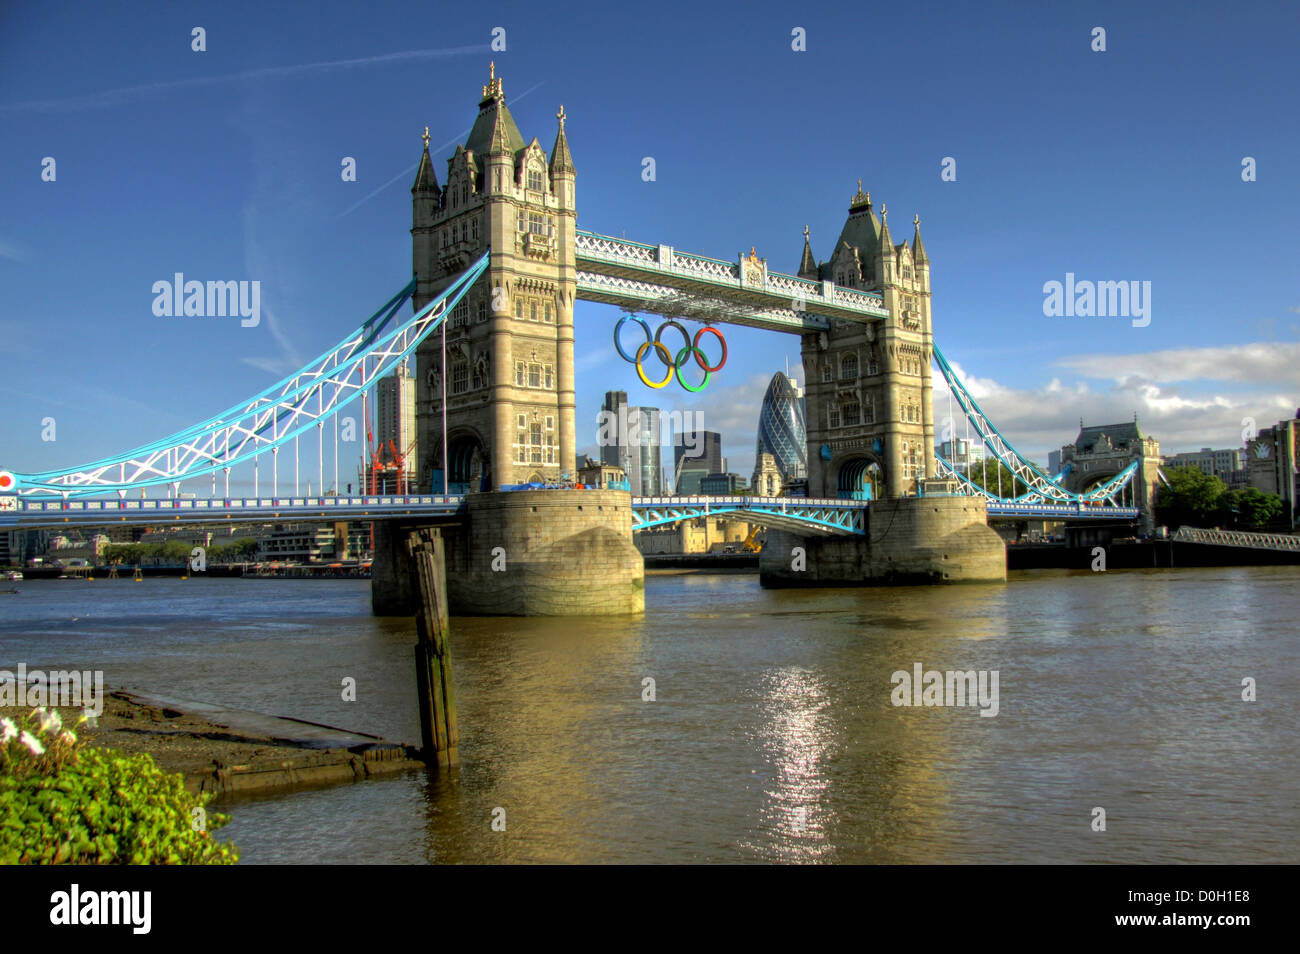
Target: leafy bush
64, 802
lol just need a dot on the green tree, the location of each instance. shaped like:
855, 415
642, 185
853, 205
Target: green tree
987, 472
177, 551
1253, 509
1192, 498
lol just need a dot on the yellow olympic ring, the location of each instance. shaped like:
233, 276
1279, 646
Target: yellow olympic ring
664, 355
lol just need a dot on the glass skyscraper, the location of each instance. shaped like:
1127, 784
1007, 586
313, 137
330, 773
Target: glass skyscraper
781, 428
629, 438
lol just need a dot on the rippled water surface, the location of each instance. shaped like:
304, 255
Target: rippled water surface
772, 736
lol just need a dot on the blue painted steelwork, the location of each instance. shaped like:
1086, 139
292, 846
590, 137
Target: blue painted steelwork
270, 419
1042, 488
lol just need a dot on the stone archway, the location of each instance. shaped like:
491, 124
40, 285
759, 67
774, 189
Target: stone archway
467, 471
860, 478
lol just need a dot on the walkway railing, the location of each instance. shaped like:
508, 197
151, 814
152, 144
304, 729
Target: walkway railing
1239, 538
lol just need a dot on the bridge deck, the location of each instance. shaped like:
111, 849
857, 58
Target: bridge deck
798, 513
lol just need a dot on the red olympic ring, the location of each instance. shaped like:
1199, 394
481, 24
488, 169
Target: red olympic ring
699, 355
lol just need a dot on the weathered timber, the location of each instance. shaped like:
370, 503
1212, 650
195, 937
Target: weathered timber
433, 669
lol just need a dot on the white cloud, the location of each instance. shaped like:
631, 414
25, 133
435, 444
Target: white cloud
1259, 362
1186, 398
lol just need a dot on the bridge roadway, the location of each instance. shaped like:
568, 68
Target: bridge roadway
797, 514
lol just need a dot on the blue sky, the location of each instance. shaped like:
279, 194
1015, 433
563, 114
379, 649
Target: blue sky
1122, 165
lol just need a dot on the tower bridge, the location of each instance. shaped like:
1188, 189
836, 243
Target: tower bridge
498, 263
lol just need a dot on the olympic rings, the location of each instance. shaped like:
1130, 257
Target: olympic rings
674, 365
665, 356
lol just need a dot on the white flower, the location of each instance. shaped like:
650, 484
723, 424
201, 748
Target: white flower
50, 721
89, 718
32, 743
8, 730
67, 735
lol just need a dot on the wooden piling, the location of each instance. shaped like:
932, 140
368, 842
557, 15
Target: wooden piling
433, 670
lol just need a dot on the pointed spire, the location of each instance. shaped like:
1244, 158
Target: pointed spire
807, 264
886, 243
500, 134
426, 180
561, 159
918, 247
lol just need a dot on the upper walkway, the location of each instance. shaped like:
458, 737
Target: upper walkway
661, 280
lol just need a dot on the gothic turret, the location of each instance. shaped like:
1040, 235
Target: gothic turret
426, 180
807, 264
918, 247
885, 250
561, 159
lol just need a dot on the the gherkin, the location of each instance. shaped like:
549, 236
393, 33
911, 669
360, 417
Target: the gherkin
781, 428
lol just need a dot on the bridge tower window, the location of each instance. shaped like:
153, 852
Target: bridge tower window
827, 372
833, 417
849, 366
534, 375
851, 412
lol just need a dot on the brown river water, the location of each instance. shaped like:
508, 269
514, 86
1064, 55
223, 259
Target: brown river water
773, 733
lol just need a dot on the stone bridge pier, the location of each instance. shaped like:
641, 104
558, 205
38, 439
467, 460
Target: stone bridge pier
525, 553
909, 540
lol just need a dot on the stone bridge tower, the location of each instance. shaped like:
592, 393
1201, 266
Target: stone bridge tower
508, 383
1103, 450
870, 422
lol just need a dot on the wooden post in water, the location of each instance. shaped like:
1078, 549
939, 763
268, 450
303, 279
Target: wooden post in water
433, 673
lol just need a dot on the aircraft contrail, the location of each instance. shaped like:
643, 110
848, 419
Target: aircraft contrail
115, 97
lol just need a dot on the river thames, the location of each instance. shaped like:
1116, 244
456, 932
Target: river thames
771, 735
